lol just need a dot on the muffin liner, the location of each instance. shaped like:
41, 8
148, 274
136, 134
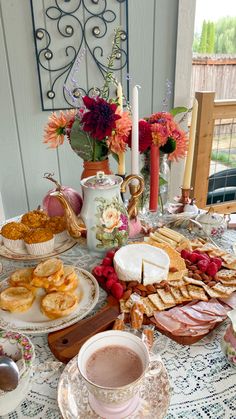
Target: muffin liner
14, 245
38, 249
61, 237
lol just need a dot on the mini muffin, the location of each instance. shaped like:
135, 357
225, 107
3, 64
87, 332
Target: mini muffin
13, 236
39, 241
35, 219
16, 299
57, 225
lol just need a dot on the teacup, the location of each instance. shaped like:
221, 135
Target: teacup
114, 398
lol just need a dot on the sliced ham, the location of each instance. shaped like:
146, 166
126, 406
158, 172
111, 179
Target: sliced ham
230, 301
211, 307
181, 317
166, 322
199, 316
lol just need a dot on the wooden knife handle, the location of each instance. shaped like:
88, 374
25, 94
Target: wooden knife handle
66, 343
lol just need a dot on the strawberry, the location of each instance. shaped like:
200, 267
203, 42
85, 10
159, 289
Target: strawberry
107, 270
97, 271
107, 261
217, 261
212, 269
203, 265
193, 257
109, 283
113, 276
117, 290
110, 254
185, 254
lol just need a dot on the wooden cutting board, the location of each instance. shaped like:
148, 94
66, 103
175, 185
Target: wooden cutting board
66, 343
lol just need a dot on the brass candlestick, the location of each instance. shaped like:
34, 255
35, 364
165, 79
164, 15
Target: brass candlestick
135, 190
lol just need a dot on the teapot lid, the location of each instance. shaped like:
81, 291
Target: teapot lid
101, 181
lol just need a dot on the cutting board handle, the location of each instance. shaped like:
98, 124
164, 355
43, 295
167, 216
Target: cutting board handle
66, 343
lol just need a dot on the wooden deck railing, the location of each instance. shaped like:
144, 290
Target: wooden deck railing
209, 110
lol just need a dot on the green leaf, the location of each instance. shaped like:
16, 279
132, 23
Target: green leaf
162, 181
116, 157
81, 142
177, 110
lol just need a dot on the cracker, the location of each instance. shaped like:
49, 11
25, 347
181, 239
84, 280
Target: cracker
209, 247
216, 252
226, 274
149, 307
224, 289
197, 293
193, 281
123, 307
228, 282
178, 283
166, 297
156, 301
229, 260
213, 293
177, 295
185, 293
176, 276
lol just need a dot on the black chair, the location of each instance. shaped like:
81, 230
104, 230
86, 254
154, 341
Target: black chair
222, 187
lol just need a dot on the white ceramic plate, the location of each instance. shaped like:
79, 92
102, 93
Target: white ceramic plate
74, 403
34, 321
59, 248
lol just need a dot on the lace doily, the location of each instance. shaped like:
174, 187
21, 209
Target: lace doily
202, 381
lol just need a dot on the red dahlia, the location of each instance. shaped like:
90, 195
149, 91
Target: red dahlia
145, 136
100, 119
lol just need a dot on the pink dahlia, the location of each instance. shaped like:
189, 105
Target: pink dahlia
55, 129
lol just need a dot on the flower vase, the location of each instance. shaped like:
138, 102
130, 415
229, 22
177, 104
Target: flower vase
164, 177
92, 167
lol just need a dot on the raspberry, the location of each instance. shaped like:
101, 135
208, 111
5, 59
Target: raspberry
185, 254
117, 290
107, 261
203, 256
212, 269
97, 271
109, 283
107, 270
111, 254
217, 261
193, 257
203, 265
102, 281
113, 276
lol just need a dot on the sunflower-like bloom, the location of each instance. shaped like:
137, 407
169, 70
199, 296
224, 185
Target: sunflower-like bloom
99, 121
117, 141
56, 127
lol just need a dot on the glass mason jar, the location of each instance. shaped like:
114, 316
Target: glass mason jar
164, 180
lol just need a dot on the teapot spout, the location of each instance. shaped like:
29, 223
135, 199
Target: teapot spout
75, 226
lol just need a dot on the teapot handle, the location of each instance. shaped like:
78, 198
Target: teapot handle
135, 191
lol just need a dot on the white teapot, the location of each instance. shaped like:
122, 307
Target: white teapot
213, 224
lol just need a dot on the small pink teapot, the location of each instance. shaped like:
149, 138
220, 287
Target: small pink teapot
229, 339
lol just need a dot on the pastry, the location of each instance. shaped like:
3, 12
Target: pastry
22, 277
70, 281
35, 219
58, 304
16, 299
48, 272
39, 241
13, 236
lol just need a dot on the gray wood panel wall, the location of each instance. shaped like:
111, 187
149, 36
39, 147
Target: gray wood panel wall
23, 156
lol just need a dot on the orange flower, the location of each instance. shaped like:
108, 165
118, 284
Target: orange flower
55, 129
181, 146
159, 134
117, 140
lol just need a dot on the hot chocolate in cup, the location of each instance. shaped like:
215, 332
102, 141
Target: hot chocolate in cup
113, 384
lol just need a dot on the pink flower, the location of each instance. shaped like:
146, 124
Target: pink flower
181, 146
159, 134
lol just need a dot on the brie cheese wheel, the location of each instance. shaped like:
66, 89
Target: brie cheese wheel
132, 263
152, 274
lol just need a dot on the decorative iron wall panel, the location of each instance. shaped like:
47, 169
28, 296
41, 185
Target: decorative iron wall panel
73, 40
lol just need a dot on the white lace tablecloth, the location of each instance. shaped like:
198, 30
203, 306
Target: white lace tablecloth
203, 383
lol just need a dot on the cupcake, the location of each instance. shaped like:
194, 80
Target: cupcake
57, 225
13, 236
35, 219
39, 241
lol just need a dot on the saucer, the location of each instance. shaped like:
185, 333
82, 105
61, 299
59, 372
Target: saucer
73, 396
